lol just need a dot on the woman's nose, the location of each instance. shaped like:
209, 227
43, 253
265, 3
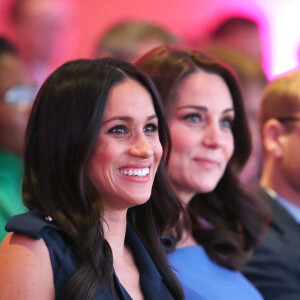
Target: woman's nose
212, 136
141, 149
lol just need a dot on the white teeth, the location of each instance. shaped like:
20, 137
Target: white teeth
145, 171
135, 172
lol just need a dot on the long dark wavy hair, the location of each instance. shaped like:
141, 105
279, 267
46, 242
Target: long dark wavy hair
60, 141
236, 217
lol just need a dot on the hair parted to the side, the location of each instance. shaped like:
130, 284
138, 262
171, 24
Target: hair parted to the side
236, 217
61, 137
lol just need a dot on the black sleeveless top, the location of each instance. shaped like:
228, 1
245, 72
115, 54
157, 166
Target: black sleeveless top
65, 264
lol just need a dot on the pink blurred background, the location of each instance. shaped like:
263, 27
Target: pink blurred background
189, 19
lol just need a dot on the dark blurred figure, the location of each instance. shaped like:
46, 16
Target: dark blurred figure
252, 80
240, 33
16, 94
275, 266
130, 40
37, 25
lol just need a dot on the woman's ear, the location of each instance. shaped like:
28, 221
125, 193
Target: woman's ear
272, 133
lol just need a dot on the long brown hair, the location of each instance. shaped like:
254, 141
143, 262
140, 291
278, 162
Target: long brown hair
61, 136
235, 216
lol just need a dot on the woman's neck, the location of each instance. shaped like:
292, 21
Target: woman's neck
123, 260
114, 227
186, 240
185, 196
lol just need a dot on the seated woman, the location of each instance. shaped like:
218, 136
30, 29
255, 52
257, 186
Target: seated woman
210, 145
95, 190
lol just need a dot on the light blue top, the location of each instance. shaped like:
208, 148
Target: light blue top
203, 279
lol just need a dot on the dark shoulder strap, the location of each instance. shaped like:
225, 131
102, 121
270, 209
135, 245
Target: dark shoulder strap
31, 224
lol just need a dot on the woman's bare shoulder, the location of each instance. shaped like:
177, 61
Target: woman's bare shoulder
25, 268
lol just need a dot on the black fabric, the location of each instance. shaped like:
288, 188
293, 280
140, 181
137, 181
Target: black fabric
65, 264
275, 265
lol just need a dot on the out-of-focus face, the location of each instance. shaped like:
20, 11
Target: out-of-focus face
244, 39
131, 51
290, 158
39, 24
13, 116
202, 141
12, 72
142, 47
128, 152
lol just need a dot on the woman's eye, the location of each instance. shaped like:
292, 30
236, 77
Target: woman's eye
228, 123
150, 128
193, 118
119, 129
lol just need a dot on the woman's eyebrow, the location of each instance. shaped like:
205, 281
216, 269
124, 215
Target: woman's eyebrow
203, 108
127, 118
198, 107
228, 110
152, 117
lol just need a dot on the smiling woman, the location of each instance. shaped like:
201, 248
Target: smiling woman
95, 189
210, 145
201, 123
129, 150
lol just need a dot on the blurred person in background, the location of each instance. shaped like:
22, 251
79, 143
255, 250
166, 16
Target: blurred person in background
16, 94
238, 32
130, 40
252, 81
275, 265
38, 26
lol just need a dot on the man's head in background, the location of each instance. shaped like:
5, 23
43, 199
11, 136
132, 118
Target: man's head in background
280, 129
130, 40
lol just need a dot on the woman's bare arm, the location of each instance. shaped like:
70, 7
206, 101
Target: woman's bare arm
25, 269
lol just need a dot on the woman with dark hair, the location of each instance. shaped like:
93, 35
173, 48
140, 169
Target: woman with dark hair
210, 145
95, 189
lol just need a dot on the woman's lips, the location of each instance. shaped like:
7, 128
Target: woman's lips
206, 162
